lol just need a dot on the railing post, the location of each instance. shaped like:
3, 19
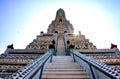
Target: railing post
41, 71
51, 58
55, 51
65, 44
92, 73
56, 43
73, 57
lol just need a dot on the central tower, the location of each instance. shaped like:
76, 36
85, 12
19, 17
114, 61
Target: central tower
60, 24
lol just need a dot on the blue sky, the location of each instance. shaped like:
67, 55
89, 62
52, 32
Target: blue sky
22, 20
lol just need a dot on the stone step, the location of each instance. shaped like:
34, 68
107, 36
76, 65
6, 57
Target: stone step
62, 61
64, 72
64, 65
57, 60
58, 76
61, 56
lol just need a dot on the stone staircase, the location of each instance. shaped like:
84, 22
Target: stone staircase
63, 67
60, 47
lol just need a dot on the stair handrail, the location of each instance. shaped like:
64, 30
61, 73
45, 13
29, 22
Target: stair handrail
94, 66
32, 68
65, 43
56, 43
5, 75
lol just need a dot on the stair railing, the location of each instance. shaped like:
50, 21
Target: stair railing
34, 69
56, 43
5, 75
65, 43
95, 69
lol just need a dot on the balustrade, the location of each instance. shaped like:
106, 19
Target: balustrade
34, 68
97, 70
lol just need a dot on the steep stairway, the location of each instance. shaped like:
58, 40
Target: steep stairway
60, 47
63, 67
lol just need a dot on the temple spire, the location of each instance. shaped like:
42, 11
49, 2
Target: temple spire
60, 22
60, 13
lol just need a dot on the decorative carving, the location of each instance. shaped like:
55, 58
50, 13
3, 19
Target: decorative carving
41, 42
110, 59
79, 42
